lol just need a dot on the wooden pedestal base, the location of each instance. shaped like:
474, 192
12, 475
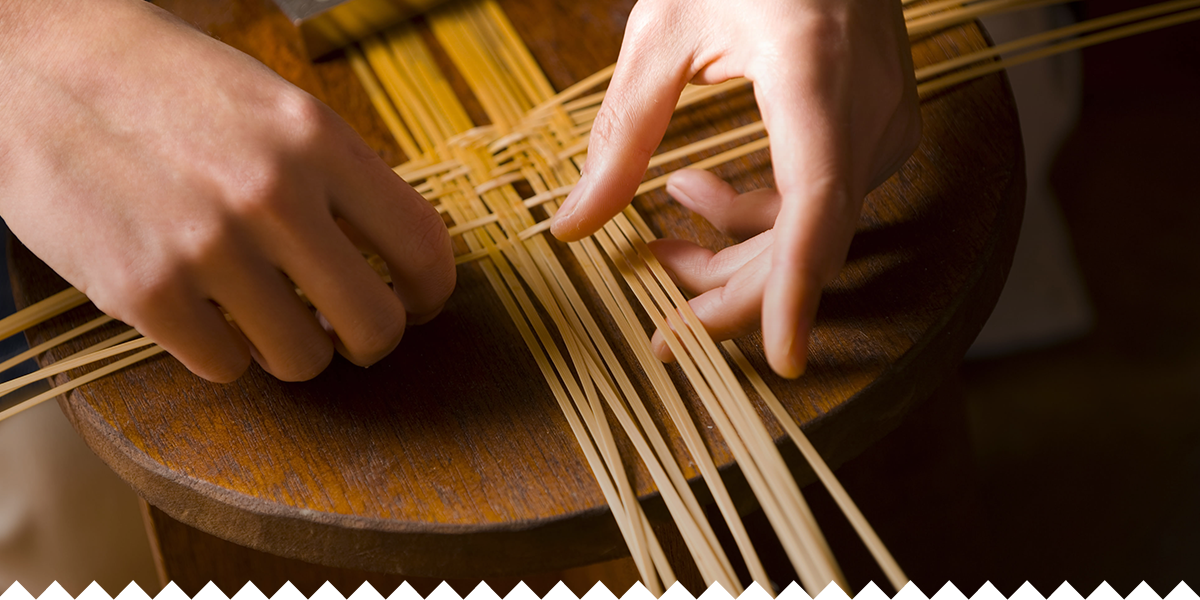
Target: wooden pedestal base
916, 485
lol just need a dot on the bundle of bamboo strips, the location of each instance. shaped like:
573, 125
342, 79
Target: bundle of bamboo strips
540, 138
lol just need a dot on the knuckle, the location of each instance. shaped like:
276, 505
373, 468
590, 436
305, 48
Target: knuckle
137, 297
301, 116
262, 194
641, 21
613, 129
648, 18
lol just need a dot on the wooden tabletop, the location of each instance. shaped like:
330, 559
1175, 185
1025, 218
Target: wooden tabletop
450, 458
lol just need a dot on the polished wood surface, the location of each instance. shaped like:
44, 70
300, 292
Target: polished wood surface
191, 559
450, 458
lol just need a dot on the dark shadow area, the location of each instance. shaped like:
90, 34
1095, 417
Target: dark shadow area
1089, 454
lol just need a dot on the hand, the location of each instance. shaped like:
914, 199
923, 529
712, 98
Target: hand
834, 82
168, 176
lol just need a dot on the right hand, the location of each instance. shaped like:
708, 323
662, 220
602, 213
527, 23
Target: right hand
168, 176
834, 81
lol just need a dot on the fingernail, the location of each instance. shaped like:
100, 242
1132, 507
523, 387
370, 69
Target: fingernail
678, 193
562, 217
797, 350
658, 344
259, 358
796, 358
787, 363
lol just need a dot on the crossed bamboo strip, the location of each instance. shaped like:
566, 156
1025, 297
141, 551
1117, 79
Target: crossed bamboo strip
747, 436
541, 138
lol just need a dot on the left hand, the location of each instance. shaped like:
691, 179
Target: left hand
834, 81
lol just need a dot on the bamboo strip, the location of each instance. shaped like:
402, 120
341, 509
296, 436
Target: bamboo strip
769, 479
643, 560
932, 7
571, 347
384, 65
708, 163
1048, 36
931, 23
653, 184
419, 172
703, 547
380, 101
588, 255
634, 535
626, 266
701, 540
108, 343
79, 381
54, 342
930, 87
71, 363
643, 451
497, 58
41, 312
578, 89
865, 532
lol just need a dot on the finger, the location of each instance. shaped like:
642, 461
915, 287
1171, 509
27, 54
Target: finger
697, 269
805, 108
641, 97
285, 338
741, 216
193, 330
367, 317
402, 226
729, 311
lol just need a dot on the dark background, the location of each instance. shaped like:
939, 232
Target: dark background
1098, 442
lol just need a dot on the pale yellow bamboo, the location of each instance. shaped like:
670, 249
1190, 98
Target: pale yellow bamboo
635, 535
676, 493
891, 569
930, 87
570, 345
1083, 27
41, 312
587, 83
649, 186
781, 502
380, 101
54, 342
643, 560
931, 23
932, 7
388, 71
71, 363
588, 255
626, 263
79, 381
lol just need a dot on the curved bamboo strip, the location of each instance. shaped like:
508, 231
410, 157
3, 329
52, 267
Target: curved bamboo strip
539, 137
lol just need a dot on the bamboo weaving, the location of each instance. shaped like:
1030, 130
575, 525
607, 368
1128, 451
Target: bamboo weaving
497, 183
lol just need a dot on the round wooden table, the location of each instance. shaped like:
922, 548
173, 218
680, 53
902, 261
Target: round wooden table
450, 458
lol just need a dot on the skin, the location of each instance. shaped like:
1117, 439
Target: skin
172, 179
834, 82
168, 176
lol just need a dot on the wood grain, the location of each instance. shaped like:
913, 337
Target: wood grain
449, 458
191, 559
